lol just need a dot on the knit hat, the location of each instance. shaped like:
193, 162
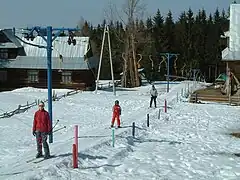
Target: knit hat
116, 102
41, 104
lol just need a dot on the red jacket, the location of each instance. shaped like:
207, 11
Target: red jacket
116, 110
41, 121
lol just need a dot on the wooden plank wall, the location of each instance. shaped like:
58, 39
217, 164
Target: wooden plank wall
17, 78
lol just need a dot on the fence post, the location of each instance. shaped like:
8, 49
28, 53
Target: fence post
230, 100
53, 98
196, 98
238, 99
133, 129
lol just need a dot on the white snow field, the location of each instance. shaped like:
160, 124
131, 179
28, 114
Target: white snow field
190, 141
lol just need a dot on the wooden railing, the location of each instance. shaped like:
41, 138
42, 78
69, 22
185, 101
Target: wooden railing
198, 98
23, 108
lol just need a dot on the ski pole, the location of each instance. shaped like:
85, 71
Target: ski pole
59, 129
55, 125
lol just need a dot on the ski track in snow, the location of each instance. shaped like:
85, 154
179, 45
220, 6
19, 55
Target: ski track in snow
190, 141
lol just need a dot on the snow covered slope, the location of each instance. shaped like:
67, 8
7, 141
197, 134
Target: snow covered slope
190, 141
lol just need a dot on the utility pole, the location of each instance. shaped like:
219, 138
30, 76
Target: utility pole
168, 56
49, 40
106, 31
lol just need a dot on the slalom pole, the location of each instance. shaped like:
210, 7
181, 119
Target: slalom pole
165, 106
159, 113
113, 137
74, 154
76, 139
133, 129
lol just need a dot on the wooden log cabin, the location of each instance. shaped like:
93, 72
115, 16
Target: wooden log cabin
24, 65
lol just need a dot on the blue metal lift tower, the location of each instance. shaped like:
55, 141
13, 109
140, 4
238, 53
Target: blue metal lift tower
52, 34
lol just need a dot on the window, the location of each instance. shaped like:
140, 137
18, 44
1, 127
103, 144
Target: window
3, 76
3, 54
66, 77
32, 76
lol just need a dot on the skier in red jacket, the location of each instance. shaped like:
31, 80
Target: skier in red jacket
116, 113
41, 128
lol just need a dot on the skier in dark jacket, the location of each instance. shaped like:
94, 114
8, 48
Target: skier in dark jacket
154, 95
41, 129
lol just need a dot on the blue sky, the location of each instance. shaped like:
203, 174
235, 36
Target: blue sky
67, 13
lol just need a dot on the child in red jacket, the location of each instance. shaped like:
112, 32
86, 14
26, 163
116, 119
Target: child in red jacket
116, 113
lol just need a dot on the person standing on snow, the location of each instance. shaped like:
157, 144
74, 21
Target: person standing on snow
41, 129
154, 95
116, 113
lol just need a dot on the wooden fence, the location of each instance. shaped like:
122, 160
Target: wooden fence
198, 98
23, 108
109, 84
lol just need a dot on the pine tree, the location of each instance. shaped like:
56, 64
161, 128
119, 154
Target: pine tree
181, 42
158, 36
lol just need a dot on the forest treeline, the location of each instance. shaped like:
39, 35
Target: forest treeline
196, 38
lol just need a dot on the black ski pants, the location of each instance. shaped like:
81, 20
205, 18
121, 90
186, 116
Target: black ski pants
153, 98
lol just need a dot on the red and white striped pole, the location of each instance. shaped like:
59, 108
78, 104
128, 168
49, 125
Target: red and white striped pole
76, 136
75, 147
75, 160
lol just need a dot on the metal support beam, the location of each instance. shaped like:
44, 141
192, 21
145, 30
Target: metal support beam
111, 64
49, 40
49, 75
168, 56
100, 60
106, 31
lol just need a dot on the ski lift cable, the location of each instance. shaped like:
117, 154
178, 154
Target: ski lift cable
31, 44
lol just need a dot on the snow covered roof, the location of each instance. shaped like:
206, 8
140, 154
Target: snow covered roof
14, 43
26, 62
60, 46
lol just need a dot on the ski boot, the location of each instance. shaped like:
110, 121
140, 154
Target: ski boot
47, 156
38, 155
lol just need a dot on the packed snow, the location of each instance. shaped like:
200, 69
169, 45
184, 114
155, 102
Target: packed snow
189, 141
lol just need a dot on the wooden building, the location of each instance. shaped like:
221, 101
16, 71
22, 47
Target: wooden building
22, 64
231, 54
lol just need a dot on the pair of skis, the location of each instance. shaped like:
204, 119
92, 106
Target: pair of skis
38, 160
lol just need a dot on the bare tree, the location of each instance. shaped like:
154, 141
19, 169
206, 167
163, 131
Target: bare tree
83, 25
131, 11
